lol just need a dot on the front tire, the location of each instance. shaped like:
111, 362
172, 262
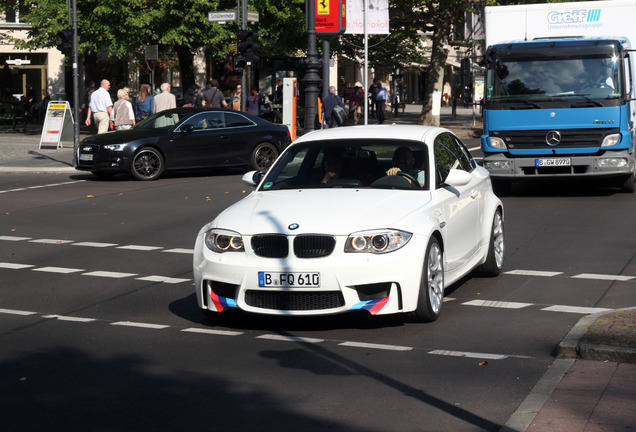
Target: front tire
431, 296
495, 259
147, 164
263, 156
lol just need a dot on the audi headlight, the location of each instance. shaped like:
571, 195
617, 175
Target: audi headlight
115, 147
220, 241
377, 241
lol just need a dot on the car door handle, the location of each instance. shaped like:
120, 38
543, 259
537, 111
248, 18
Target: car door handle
223, 137
474, 194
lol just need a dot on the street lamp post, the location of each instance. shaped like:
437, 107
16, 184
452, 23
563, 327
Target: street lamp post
312, 62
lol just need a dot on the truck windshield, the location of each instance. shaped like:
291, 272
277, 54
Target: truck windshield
541, 75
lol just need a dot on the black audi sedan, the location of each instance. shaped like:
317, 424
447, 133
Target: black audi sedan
184, 138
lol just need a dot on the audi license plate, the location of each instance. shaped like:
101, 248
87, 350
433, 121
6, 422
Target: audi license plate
85, 157
289, 279
549, 162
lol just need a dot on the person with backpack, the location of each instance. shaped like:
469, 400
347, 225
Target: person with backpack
333, 119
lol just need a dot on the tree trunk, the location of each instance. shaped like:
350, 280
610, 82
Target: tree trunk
186, 59
435, 70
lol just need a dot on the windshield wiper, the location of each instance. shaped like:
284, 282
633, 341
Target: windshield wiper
526, 102
588, 99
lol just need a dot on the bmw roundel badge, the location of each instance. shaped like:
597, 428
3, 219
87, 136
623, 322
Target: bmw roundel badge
293, 226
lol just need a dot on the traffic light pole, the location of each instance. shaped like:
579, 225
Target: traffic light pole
242, 6
76, 110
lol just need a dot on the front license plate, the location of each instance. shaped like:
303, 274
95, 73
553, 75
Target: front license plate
86, 157
553, 162
289, 279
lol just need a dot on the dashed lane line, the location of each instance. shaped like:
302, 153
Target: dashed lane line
140, 325
497, 304
103, 274
575, 309
41, 186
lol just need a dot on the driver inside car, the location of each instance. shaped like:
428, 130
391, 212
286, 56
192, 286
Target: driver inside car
404, 161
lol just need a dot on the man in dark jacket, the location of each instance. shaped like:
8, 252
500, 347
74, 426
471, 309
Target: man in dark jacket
329, 104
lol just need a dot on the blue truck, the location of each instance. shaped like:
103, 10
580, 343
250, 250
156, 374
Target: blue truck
559, 97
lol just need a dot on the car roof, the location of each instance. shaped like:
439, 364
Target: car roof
393, 131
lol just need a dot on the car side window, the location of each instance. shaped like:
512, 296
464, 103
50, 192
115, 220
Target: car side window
449, 155
207, 120
236, 120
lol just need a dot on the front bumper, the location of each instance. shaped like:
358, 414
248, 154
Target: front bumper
613, 164
379, 283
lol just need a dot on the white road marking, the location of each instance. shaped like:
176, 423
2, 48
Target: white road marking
69, 318
575, 309
15, 266
109, 274
42, 186
141, 325
376, 346
140, 248
163, 279
289, 338
603, 277
469, 354
14, 238
95, 244
63, 270
50, 241
533, 273
212, 332
497, 304
16, 312
182, 251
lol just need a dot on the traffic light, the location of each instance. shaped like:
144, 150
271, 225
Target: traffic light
239, 62
466, 72
66, 41
247, 45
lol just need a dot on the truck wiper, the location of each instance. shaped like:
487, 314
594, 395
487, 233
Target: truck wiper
587, 99
527, 102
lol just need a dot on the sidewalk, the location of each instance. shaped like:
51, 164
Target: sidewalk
591, 386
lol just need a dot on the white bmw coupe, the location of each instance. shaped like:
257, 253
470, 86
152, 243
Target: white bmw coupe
379, 218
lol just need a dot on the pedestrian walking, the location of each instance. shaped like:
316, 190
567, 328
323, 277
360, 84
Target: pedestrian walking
213, 97
100, 107
381, 96
331, 101
165, 100
122, 116
355, 102
145, 102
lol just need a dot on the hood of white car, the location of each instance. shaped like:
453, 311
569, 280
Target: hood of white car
318, 211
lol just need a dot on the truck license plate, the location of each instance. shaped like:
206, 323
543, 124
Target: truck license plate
289, 279
548, 162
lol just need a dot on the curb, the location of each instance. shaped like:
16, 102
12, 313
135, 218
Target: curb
568, 350
570, 346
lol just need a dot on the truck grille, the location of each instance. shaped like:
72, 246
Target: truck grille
294, 301
570, 138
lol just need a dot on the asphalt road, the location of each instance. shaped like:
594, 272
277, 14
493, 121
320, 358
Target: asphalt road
100, 330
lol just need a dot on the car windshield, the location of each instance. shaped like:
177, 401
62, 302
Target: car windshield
163, 120
361, 163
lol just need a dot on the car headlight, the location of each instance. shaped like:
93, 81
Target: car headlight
220, 241
377, 242
115, 147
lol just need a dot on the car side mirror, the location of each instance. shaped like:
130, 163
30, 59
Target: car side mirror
252, 178
457, 177
187, 128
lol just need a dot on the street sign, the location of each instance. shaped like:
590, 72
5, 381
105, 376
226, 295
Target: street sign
151, 52
222, 16
253, 16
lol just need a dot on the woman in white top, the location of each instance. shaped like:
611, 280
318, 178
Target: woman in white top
122, 116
